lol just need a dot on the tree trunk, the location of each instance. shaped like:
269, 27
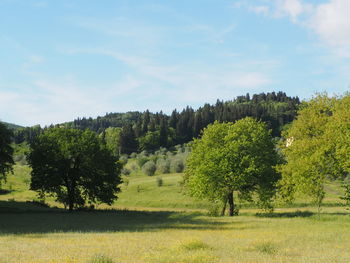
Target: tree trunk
71, 196
70, 199
224, 207
231, 203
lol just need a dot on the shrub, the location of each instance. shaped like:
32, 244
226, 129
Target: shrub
134, 167
142, 160
163, 166
159, 181
133, 155
123, 159
149, 168
126, 171
214, 209
177, 165
126, 181
346, 196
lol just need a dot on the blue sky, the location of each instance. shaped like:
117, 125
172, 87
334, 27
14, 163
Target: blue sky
60, 60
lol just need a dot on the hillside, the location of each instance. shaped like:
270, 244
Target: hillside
142, 192
138, 131
12, 126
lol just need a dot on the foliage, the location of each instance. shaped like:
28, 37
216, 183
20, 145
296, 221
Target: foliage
154, 130
163, 166
6, 151
177, 165
20, 153
142, 160
151, 141
346, 196
316, 147
233, 157
112, 138
74, 166
127, 140
149, 168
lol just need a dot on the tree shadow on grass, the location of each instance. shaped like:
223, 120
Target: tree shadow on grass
25, 218
286, 214
5, 191
298, 213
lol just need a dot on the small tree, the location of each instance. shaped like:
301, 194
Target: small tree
233, 157
112, 137
149, 168
75, 167
6, 151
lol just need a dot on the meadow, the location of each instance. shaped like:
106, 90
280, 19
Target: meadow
149, 223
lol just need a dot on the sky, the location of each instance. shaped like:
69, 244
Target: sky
63, 59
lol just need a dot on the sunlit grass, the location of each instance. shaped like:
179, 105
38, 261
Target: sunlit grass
151, 233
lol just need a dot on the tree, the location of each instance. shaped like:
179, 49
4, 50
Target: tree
233, 157
127, 141
150, 142
309, 155
6, 151
337, 136
112, 137
149, 168
74, 166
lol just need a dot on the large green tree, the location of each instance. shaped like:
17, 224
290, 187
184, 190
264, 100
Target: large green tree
75, 167
233, 157
6, 151
309, 150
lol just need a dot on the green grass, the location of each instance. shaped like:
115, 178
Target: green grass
155, 224
143, 192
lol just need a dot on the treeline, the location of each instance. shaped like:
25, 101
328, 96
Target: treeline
148, 131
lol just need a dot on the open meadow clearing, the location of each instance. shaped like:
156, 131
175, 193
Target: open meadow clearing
164, 225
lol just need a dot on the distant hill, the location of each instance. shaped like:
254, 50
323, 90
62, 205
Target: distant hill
139, 131
12, 126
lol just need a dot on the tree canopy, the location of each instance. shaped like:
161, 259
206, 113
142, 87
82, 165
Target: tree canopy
233, 157
75, 167
6, 151
316, 147
154, 130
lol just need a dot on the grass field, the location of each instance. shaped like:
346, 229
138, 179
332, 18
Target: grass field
164, 225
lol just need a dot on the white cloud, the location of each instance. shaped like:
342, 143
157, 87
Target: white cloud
49, 101
292, 8
193, 83
331, 22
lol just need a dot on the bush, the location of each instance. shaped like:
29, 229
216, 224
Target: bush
149, 168
134, 167
159, 181
123, 159
133, 155
126, 181
163, 166
177, 165
142, 160
214, 209
126, 171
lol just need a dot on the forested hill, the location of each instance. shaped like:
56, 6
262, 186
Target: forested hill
12, 126
149, 131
